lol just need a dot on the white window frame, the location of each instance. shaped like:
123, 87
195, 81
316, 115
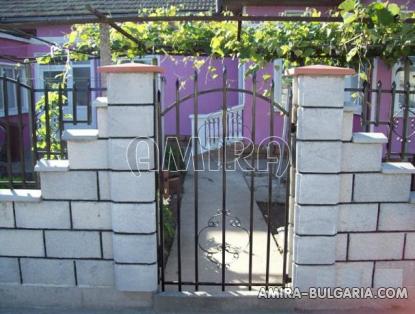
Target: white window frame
24, 99
293, 12
396, 66
241, 82
40, 69
349, 100
278, 67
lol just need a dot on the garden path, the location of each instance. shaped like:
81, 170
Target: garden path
237, 235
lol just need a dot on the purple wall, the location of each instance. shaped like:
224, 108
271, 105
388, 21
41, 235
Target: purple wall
262, 129
13, 48
177, 67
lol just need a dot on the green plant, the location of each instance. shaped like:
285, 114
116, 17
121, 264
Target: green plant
173, 160
169, 224
52, 134
367, 30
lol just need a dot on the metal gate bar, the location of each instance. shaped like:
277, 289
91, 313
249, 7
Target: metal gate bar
196, 283
224, 131
270, 172
290, 179
179, 246
252, 190
196, 179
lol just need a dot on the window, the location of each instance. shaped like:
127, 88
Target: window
79, 74
81, 78
294, 12
147, 59
398, 76
353, 98
12, 71
279, 89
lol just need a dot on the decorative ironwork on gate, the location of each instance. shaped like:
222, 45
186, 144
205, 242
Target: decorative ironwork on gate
214, 132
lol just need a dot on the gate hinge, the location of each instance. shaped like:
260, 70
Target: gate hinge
293, 128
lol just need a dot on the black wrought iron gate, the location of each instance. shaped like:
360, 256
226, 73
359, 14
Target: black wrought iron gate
179, 211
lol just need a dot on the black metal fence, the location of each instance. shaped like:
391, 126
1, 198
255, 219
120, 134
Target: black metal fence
31, 125
214, 251
390, 110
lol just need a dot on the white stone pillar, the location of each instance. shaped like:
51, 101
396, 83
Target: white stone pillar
130, 129
319, 100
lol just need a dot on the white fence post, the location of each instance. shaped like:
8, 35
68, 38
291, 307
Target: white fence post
131, 121
319, 98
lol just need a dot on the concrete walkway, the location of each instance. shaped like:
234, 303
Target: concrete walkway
210, 235
150, 311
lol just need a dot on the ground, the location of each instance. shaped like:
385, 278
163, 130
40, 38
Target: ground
149, 311
209, 231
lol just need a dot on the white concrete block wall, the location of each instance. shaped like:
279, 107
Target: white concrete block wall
314, 250
132, 154
134, 218
6, 215
311, 127
307, 276
376, 246
93, 273
328, 87
104, 191
42, 240
130, 88
358, 274
397, 216
317, 189
128, 186
75, 185
315, 220
48, 272
354, 218
130, 121
410, 246
357, 217
403, 269
131, 183
380, 187
73, 244
47, 215
93, 224
318, 185
20, 242
9, 270
361, 157
321, 157
126, 277
88, 154
92, 214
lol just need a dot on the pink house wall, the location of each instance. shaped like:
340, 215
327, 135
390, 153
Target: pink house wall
177, 67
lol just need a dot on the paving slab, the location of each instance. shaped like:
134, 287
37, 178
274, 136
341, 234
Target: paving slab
210, 235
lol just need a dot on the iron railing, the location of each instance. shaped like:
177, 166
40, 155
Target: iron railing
31, 125
222, 219
390, 110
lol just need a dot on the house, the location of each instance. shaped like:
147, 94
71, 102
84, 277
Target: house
42, 23
101, 230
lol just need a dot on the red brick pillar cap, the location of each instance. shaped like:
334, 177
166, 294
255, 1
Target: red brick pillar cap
131, 68
320, 70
